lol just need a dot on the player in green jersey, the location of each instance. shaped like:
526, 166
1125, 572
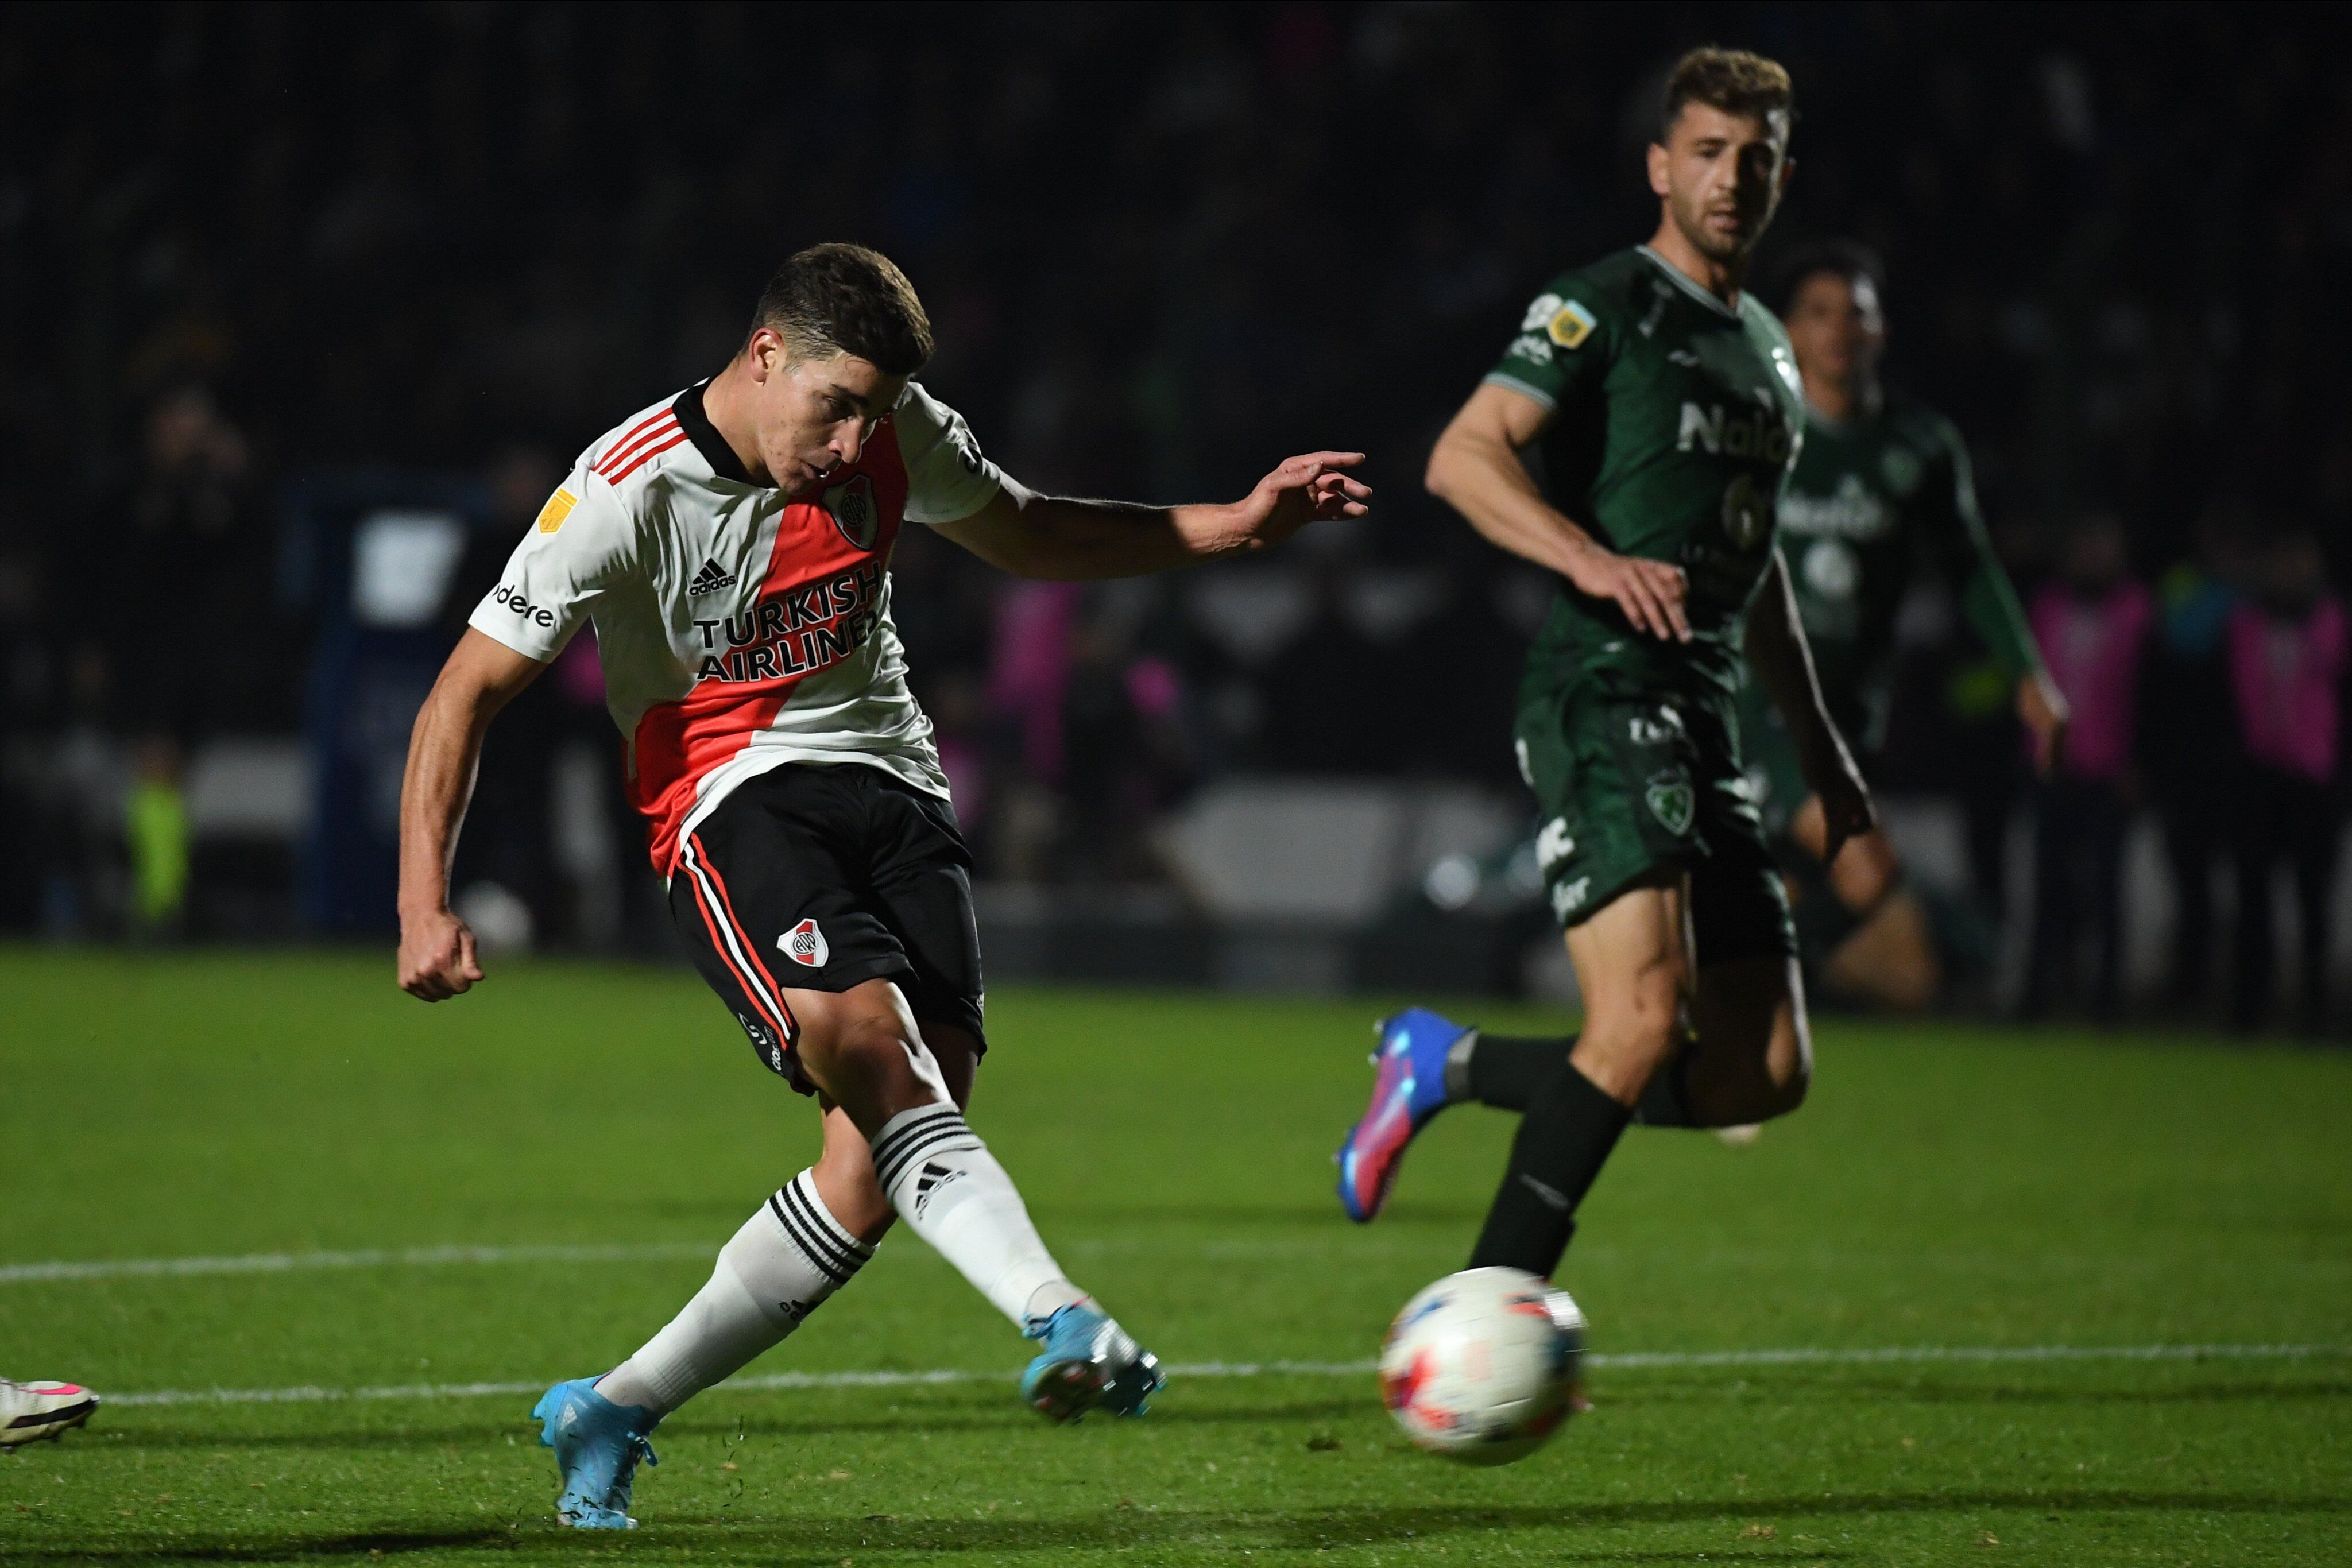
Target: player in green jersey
1881, 487
1634, 440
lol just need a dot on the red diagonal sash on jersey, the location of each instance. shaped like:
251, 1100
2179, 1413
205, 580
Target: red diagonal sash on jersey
818, 600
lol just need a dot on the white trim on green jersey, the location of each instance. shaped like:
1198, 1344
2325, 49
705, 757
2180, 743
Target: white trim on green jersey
1682, 280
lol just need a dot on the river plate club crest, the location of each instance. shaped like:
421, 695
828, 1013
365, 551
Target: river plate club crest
854, 511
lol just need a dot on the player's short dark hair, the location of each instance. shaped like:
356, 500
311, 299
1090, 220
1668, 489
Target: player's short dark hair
1732, 80
1849, 259
846, 299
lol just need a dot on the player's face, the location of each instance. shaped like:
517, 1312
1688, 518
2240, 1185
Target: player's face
1836, 329
1721, 176
812, 416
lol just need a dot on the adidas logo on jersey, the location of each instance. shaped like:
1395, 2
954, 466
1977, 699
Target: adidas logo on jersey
709, 580
805, 945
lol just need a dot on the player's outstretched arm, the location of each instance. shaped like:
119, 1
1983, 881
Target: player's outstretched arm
1475, 469
1990, 601
1784, 666
1032, 535
436, 950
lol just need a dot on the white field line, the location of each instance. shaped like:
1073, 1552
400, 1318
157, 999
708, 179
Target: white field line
1639, 1360
1353, 1243
389, 1257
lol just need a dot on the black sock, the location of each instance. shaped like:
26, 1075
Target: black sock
1507, 1073
1665, 1099
1563, 1141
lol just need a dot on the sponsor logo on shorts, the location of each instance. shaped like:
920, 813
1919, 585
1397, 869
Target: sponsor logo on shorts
1672, 799
805, 945
1642, 730
1567, 897
1554, 844
762, 1036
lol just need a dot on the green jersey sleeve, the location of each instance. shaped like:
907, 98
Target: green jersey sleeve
1958, 529
1564, 347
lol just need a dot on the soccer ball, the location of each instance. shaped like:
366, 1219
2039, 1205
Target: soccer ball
1483, 1366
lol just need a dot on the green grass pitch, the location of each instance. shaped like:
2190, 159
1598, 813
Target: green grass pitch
1946, 1187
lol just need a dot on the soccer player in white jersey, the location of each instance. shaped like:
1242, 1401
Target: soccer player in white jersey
732, 545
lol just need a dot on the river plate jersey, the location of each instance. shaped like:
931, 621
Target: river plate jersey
1873, 497
1674, 417
739, 629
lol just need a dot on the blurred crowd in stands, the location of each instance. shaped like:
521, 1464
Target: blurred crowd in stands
1164, 246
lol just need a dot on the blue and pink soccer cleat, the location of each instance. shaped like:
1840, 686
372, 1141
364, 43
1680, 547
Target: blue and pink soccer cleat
597, 1446
1408, 1089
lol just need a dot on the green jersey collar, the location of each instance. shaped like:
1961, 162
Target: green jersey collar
1681, 281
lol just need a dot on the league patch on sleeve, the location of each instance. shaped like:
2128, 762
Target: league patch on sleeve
1570, 325
559, 506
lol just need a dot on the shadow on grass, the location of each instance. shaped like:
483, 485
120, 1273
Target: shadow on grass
804, 1541
383, 1543
1783, 1388
2210, 1393
997, 1414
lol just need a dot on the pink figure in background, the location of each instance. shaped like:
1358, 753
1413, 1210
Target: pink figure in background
2091, 640
2284, 674
579, 675
2092, 625
1029, 670
1153, 688
2287, 652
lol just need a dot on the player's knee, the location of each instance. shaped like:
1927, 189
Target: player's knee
1640, 1021
861, 1041
1866, 872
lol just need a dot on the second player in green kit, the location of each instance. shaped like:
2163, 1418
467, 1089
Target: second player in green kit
1881, 490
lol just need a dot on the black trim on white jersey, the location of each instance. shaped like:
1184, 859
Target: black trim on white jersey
707, 439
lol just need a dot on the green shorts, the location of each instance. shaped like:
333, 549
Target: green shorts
1631, 785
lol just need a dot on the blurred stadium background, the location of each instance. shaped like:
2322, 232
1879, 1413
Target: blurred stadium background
306, 308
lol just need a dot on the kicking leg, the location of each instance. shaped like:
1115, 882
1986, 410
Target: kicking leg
863, 1048
806, 1242
1632, 964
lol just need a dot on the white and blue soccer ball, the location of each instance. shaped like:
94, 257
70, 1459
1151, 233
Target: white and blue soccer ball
1484, 1366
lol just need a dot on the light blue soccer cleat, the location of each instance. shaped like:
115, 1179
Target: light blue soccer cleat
597, 1446
1089, 1361
1408, 1089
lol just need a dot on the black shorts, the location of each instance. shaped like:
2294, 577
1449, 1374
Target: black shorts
821, 878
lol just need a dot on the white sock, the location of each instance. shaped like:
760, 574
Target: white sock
945, 1183
784, 1261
